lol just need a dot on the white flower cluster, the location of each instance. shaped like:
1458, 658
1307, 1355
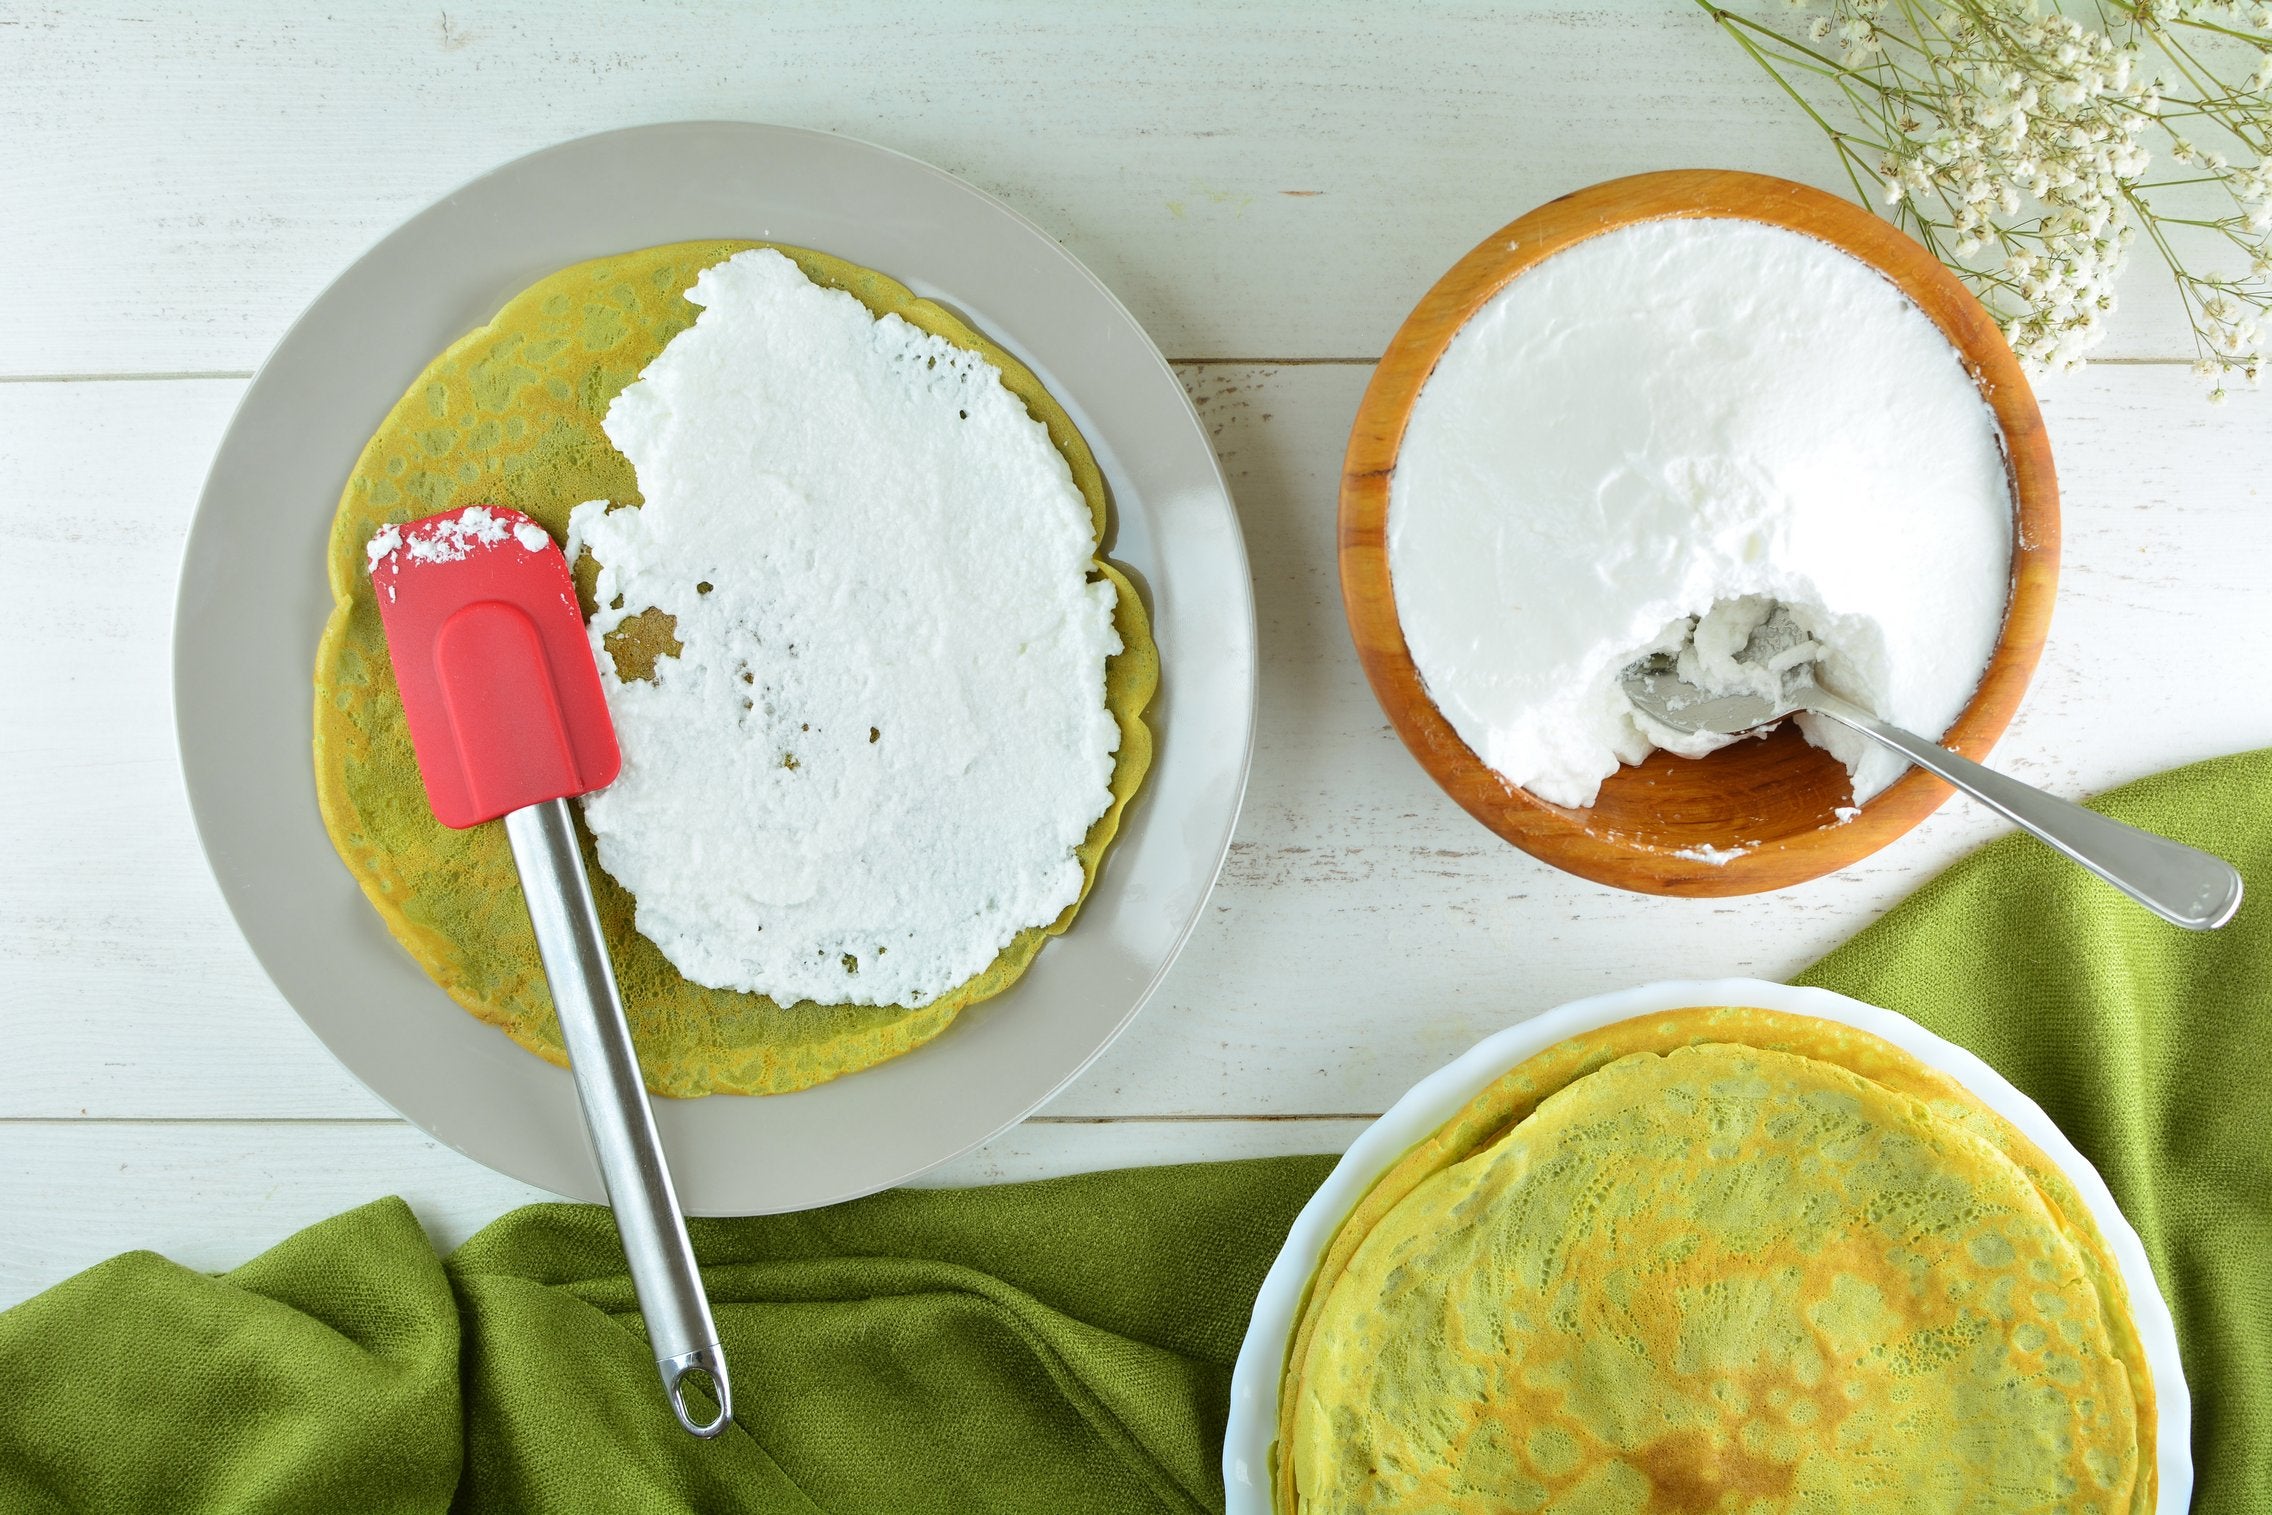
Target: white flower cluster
2030, 108
2239, 14
2013, 142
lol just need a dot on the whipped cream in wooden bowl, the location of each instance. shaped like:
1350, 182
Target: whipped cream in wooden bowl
1666, 419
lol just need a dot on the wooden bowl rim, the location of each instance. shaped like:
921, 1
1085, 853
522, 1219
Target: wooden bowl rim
1563, 836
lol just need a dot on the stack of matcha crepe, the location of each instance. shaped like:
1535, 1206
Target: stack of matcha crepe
1719, 1260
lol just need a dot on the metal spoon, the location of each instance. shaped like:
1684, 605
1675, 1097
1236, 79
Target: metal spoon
2178, 883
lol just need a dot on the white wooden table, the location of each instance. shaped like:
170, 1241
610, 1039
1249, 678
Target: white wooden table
1268, 188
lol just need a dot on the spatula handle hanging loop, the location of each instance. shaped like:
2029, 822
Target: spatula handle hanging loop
616, 1112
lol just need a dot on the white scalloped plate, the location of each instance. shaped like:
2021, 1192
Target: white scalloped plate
1441, 1095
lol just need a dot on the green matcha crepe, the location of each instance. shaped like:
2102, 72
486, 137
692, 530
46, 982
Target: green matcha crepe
1719, 1260
510, 415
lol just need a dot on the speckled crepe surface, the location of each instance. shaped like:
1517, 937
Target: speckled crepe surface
510, 415
1719, 1259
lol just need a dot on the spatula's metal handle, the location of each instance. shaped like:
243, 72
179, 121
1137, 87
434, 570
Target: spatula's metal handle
616, 1113
2180, 884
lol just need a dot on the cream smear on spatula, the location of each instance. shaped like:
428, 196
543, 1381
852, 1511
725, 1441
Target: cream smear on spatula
884, 734
1668, 418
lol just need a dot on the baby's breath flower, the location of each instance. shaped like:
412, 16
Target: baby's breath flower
2012, 140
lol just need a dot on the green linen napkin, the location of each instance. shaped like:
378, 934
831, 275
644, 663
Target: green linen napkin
1066, 1346
1054, 1347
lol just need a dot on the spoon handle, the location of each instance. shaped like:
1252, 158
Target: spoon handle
2178, 883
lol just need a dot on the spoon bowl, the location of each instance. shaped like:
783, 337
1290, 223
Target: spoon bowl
1659, 692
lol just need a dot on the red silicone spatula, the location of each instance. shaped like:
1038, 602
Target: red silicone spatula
508, 720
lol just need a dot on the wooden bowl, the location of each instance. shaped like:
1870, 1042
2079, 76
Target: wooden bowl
1771, 802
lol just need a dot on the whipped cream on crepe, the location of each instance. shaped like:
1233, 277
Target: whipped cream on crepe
882, 734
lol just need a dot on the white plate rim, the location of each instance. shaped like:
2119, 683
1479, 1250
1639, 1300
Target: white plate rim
1253, 1422
1172, 521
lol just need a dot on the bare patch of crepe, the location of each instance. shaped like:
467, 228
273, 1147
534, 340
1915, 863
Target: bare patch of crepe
1701, 1349
511, 415
636, 645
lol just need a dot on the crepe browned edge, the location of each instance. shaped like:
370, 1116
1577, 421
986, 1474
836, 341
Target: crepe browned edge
1510, 1098
557, 354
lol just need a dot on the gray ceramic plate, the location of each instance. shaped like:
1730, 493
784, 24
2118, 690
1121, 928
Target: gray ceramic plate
253, 601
